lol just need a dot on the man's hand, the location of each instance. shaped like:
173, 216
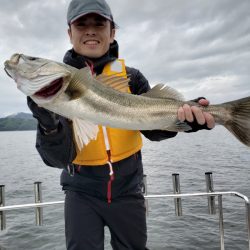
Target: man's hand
190, 113
48, 120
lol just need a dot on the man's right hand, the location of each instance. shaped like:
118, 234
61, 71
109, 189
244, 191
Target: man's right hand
48, 120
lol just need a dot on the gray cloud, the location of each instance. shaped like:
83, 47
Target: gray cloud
202, 48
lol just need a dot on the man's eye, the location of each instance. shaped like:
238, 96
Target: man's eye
99, 24
81, 24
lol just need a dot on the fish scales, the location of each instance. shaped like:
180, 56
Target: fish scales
89, 101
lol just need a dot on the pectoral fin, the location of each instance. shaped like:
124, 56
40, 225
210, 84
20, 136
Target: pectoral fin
84, 132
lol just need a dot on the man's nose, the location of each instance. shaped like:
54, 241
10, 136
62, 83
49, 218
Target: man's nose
90, 31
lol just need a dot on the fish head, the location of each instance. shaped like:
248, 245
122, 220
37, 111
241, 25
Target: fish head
41, 79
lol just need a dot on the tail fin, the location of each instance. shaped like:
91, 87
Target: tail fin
239, 125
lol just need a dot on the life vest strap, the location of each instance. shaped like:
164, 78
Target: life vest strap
111, 178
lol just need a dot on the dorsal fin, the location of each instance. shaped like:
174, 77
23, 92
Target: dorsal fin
165, 92
115, 82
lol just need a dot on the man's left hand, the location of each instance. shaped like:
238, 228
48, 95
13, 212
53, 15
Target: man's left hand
189, 113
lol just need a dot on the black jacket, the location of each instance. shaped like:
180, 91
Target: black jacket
51, 147
58, 150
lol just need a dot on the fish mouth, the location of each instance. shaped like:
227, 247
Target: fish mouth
11, 63
50, 90
15, 58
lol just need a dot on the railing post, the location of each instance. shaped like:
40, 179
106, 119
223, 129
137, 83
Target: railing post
210, 188
145, 191
177, 190
221, 222
2, 204
248, 222
38, 199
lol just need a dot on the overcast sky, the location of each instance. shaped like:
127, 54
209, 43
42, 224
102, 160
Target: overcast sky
200, 47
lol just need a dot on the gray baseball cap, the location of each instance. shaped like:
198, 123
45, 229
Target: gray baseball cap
79, 8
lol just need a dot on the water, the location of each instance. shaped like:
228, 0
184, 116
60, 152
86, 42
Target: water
190, 155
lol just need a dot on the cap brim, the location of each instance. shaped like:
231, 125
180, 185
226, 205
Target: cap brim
91, 12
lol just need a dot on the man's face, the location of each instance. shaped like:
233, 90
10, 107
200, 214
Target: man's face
91, 35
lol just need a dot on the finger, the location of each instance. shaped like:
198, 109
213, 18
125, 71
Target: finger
181, 114
209, 120
198, 114
203, 102
188, 113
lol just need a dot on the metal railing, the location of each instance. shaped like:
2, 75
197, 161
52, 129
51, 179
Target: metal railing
220, 208
210, 194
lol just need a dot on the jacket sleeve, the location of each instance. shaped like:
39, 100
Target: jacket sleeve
57, 150
138, 85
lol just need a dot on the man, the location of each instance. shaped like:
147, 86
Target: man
103, 181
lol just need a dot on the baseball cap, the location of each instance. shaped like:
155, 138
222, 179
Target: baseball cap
79, 8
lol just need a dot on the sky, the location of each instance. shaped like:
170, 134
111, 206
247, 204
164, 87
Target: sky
199, 47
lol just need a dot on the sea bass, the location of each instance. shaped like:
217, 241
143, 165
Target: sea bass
88, 100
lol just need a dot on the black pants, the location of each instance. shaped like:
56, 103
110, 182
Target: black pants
87, 210
85, 218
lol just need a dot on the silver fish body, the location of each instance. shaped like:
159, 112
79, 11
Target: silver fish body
76, 94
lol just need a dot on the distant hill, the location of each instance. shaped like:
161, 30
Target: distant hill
19, 121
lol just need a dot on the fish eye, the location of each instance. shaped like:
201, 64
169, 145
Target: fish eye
32, 58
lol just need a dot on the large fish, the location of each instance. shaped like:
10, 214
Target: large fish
88, 100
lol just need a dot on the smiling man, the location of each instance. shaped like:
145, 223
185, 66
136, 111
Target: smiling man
103, 181
91, 35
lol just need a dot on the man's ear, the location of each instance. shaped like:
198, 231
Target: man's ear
70, 34
112, 35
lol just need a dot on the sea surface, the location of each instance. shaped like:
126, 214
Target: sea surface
190, 155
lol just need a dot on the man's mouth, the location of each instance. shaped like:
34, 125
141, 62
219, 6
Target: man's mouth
51, 89
91, 42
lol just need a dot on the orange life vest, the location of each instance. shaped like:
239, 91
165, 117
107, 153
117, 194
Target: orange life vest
122, 143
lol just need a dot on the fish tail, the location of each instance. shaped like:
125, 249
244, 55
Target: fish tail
239, 122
